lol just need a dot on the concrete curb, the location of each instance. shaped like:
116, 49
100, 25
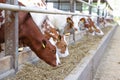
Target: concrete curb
7, 73
6, 68
88, 66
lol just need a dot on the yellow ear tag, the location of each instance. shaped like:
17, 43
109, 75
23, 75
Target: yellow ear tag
43, 45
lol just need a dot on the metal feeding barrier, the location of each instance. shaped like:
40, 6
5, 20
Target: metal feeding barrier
37, 10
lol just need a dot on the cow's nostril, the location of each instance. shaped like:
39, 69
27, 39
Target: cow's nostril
54, 51
59, 63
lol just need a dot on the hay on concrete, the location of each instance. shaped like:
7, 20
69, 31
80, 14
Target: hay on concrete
42, 71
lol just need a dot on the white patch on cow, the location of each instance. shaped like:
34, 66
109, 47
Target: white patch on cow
3, 15
57, 56
59, 21
38, 18
58, 59
42, 30
65, 39
52, 41
51, 25
33, 3
63, 54
52, 34
101, 32
26, 49
93, 33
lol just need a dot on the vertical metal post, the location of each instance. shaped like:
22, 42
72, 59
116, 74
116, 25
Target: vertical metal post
80, 7
72, 5
72, 9
90, 7
11, 34
46, 1
103, 13
98, 13
58, 4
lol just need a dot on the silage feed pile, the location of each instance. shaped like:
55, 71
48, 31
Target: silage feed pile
42, 71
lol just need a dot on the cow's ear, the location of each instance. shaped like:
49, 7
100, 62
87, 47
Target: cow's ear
59, 38
44, 43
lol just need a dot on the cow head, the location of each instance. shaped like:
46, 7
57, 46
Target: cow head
60, 42
32, 37
69, 27
62, 46
93, 28
70, 22
98, 31
82, 20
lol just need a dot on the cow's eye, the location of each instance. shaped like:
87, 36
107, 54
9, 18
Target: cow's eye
54, 51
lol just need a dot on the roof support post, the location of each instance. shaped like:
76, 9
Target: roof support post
90, 7
98, 13
72, 9
59, 4
81, 5
72, 5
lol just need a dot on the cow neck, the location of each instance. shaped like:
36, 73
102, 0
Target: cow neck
36, 30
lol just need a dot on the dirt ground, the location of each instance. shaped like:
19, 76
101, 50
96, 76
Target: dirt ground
42, 71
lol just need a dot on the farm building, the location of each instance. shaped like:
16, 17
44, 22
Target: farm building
59, 40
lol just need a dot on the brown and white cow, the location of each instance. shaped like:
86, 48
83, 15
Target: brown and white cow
69, 27
91, 27
50, 32
102, 21
30, 35
63, 23
47, 28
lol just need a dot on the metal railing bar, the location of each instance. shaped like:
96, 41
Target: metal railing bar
37, 10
